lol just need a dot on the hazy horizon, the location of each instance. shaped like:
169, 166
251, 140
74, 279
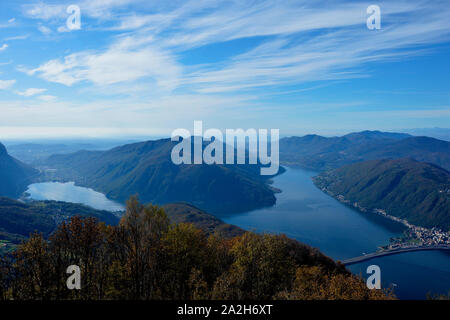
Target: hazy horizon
438, 133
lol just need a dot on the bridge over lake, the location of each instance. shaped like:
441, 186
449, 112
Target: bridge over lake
391, 252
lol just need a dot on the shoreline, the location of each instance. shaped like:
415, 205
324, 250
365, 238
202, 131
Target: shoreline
422, 235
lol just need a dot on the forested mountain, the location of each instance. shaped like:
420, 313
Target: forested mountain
146, 169
18, 219
404, 188
320, 153
14, 175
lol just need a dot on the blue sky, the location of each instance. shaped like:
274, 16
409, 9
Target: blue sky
147, 67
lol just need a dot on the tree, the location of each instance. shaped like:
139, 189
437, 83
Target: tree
33, 270
139, 235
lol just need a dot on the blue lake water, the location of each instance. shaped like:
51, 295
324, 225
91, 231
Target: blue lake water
307, 214
69, 192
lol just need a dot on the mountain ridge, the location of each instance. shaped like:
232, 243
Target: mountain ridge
322, 153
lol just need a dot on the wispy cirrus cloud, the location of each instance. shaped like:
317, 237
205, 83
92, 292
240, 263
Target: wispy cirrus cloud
308, 42
44, 30
44, 11
93, 8
8, 24
30, 92
124, 61
321, 44
22, 37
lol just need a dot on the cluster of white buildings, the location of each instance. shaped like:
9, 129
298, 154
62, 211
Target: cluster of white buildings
426, 236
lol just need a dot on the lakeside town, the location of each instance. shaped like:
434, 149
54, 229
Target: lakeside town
415, 235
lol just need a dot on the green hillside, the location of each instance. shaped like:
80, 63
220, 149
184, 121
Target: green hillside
416, 191
18, 219
146, 169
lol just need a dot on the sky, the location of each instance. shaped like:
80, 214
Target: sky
145, 67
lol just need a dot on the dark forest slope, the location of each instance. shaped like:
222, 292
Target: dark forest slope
18, 219
14, 175
416, 191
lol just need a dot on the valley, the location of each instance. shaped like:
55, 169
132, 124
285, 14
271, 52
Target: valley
225, 200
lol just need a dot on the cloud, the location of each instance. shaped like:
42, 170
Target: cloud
6, 63
9, 24
92, 8
23, 37
44, 30
3, 47
6, 84
137, 21
104, 8
63, 29
124, 61
44, 11
30, 92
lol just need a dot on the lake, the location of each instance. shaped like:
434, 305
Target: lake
305, 213
69, 192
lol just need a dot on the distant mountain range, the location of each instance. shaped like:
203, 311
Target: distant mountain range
438, 133
319, 153
146, 169
31, 153
15, 176
404, 188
